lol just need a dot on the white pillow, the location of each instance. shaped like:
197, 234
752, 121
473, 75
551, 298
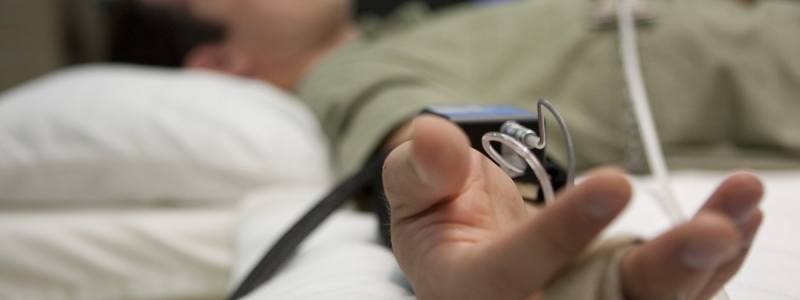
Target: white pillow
144, 136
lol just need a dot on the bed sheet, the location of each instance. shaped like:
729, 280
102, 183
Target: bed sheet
116, 254
773, 267
343, 259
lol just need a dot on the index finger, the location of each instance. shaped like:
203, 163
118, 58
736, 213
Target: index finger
527, 258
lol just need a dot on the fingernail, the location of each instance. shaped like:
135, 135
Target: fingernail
748, 235
706, 254
747, 241
741, 206
600, 207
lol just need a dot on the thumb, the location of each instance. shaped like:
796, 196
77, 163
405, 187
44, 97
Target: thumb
429, 168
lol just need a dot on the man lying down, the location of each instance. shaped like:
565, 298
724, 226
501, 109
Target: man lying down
723, 81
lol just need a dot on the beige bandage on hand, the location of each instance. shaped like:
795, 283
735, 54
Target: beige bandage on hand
595, 276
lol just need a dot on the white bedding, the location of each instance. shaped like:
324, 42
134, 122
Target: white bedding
344, 261
341, 260
119, 254
109, 135
118, 182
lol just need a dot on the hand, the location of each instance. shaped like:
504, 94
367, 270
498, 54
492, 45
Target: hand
460, 230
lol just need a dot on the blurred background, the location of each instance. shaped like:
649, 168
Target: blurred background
38, 36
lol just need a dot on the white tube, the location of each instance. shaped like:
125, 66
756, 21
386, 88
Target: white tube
640, 102
525, 153
647, 128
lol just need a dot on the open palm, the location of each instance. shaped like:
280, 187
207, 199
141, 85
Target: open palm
460, 229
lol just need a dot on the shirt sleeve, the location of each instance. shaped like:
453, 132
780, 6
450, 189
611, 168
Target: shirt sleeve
369, 88
379, 117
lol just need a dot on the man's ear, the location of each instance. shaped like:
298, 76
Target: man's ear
217, 57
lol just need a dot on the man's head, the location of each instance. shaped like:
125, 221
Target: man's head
271, 40
161, 35
279, 39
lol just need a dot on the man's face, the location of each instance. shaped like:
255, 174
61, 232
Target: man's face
272, 25
267, 25
272, 40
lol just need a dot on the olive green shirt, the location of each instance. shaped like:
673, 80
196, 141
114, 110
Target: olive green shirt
723, 77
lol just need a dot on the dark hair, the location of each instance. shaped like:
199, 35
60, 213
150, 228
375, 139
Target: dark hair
155, 35
163, 36
383, 8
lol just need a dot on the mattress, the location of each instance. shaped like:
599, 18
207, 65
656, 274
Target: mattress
116, 254
343, 259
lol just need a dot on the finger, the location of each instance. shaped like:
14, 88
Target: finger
525, 259
737, 197
429, 168
676, 264
749, 230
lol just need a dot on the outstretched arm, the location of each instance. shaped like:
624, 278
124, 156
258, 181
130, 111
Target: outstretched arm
461, 231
